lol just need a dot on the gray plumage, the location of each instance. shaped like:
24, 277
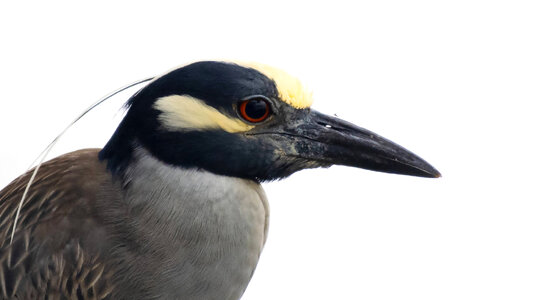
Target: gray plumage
160, 233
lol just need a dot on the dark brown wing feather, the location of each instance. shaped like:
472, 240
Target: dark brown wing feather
59, 247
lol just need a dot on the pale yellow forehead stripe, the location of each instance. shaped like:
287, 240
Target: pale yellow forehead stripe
290, 88
186, 113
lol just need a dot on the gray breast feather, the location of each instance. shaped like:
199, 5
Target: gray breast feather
209, 229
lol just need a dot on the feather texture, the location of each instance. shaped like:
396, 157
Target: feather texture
54, 254
160, 232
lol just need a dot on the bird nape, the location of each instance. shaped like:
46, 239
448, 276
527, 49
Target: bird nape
172, 206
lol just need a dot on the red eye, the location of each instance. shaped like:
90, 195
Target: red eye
254, 110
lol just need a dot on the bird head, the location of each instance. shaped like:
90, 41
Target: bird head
246, 120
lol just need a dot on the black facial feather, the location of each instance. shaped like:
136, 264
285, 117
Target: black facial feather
218, 84
219, 152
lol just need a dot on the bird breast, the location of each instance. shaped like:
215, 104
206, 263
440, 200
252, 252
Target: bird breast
198, 233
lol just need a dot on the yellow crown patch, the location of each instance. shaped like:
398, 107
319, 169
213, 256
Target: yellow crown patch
290, 88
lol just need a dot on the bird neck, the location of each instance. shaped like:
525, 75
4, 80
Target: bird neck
175, 214
157, 181
118, 151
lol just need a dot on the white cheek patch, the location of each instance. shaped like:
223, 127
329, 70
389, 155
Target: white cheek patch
186, 113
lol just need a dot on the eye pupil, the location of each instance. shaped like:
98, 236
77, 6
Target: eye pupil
255, 110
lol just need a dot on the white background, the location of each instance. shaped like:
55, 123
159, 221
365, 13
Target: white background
450, 80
